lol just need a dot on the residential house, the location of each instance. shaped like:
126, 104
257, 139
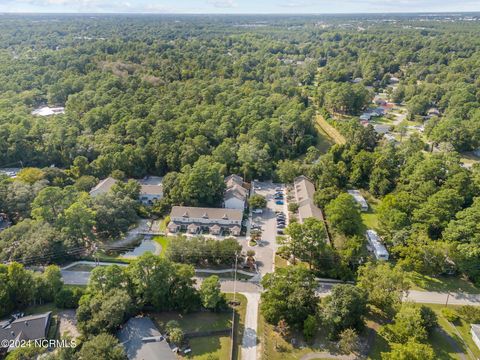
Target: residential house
151, 189
32, 327
381, 128
196, 220
376, 246
48, 111
475, 332
103, 186
379, 101
236, 194
359, 199
365, 116
304, 194
142, 341
394, 80
10, 172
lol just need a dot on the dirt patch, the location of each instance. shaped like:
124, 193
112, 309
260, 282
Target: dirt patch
68, 323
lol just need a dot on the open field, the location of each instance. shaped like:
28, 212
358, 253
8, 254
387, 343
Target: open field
442, 283
329, 130
203, 348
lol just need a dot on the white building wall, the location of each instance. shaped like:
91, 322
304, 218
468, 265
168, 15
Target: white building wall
235, 203
476, 340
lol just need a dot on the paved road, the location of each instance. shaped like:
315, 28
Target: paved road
431, 297
249, 341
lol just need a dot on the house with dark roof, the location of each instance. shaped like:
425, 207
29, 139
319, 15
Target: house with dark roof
236, 193
196, 220
32, 327
142, 341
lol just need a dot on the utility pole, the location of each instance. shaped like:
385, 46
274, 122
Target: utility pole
235, 277
448, 296
233, 304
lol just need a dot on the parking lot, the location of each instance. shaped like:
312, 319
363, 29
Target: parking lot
268, 224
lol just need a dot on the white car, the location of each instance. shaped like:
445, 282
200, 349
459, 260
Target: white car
257, 211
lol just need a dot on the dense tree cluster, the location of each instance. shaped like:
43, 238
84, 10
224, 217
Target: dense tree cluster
55, 220
200, 251
115, 293
20, 287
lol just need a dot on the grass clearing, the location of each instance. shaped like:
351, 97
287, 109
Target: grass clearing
216, 347
226, 275
275, 347
442, 283
370, 217
328, 129
164, 242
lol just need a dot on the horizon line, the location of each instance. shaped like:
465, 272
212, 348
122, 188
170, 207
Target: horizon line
242, 14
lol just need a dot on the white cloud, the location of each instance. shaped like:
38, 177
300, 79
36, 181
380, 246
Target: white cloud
297, 4
227, 4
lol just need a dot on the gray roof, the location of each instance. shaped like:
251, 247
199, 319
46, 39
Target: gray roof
151, 189
236, 191
304, 193
142, 341
189, 212
147, 187
30, 327
103, 186
233, 179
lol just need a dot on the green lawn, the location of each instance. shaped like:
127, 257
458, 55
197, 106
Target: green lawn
370, 217
442, 283
227, 275
164, 242
280, 262
204, 348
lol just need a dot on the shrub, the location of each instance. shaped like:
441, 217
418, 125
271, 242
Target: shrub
469, 313
309, 328
450, 314
293, 207
349, 341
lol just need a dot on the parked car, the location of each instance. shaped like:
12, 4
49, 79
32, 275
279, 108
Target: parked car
281, 226
280, 232
280, 215
256, 226
278, 197
257, 211
279, 202
278, 189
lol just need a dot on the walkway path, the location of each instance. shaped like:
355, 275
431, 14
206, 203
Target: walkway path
250, 340
326, 355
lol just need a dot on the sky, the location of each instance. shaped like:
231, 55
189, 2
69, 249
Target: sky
238, 6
